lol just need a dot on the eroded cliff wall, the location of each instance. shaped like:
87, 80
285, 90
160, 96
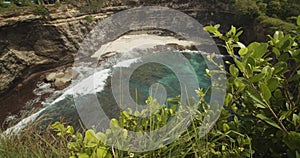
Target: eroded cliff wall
32, 43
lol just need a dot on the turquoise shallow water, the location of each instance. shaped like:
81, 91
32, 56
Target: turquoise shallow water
151, 73
140, 82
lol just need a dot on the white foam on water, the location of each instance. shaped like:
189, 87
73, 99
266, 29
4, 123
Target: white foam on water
22, 124
92, 84
126, 63
43, 88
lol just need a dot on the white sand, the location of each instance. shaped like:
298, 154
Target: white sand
128, 43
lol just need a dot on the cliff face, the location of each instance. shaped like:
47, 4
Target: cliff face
31, 43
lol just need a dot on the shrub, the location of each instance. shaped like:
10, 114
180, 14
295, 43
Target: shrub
247, 8
274, 24
89, 19
57, 4
221, 141
264, 91
40, 10
92, 6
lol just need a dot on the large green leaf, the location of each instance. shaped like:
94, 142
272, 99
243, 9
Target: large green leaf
91, 139
276, 51
296, 119
82, 155
280, 67
233, 71
254, 97
238, 34
297, 154
298, 20
285, 42
243, 51
292, 140
114, 124
101, 152
101, 136
278, 35
213, 30
267, 70
257, 77
228, 99
239, 65
273, 84
259, 106
258, 49
268, 120
264, 90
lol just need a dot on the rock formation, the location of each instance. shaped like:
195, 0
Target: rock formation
61, 78
30, 43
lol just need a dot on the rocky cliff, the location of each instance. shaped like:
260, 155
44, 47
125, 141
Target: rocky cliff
30, 43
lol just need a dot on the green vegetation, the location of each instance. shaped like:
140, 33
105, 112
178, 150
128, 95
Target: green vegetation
282, 9
247, 8
219, 142
261, 116
5, 6
39, 7
57, 4
89, 19
271, 14
92, 6
31, 143
264, 91
40, 10
275, 23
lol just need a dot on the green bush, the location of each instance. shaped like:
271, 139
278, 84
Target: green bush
264, 91
273, 24
57, 4
40, 10
247, 8
219, 142
92, 6
4, 7
281, 9
89, 19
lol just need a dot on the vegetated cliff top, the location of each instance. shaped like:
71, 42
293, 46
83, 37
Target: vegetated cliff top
270, 14
68, 8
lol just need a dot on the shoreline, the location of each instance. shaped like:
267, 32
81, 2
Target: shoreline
13, 102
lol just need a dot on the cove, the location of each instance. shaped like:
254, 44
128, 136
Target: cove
140, 83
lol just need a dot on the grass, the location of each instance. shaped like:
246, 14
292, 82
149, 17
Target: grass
10, 7
32, 143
